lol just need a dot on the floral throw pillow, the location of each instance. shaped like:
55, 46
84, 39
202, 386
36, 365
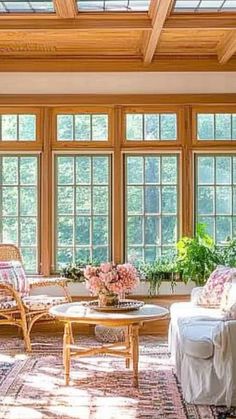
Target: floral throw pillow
12, 273
212, 291
228, 302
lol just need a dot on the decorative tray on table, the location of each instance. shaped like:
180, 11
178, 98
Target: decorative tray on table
123, 305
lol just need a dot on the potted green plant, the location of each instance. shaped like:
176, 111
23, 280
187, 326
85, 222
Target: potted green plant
75, 271
158, 271
197, 256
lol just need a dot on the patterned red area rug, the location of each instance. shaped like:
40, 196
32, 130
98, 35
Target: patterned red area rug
32, 387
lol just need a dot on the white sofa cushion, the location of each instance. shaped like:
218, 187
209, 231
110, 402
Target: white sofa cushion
188, 310
197, 337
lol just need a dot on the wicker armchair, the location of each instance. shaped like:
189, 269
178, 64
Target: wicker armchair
22, 309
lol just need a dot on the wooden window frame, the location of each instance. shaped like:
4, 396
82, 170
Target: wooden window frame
39, 201
23, 145
162, 153
58, 144
211, 153
150, 110
214, 109
47, 107
75, 153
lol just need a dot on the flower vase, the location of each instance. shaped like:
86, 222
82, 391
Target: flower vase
108, 300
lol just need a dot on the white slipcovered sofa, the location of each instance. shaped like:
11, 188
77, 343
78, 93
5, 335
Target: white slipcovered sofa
203, 346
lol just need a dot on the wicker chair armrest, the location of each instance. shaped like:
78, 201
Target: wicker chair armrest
12, 293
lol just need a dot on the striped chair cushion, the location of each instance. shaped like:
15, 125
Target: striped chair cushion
12, 273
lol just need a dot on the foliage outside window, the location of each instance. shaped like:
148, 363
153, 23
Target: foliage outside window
17, 127
82, 127
151, 126
216, 195
151, 206
216, 126
19, 206
82, 208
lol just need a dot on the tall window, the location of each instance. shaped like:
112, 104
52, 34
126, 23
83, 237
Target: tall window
216, 195
151, 206
83, 208
19, 190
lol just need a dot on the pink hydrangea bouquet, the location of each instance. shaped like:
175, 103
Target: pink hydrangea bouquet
111, 279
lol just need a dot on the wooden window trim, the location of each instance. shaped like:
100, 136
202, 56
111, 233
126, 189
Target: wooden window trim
24, 145
73, 153
38, 156
47, 106
213, 153
153, 109
144, 153
82, 144
211, 109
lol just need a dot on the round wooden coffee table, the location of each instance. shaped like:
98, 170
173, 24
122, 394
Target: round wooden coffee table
78, 313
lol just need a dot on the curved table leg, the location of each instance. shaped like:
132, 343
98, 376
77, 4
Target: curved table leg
66, 352
134, 346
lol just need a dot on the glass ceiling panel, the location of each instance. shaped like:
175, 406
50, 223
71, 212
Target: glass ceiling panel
205, 6
33, 6
113, 5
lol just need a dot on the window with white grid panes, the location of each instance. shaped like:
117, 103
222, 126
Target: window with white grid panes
83, 208
151, 197
19, 202
215, 202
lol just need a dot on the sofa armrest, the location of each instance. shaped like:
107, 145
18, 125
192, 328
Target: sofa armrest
224, 329
195, 294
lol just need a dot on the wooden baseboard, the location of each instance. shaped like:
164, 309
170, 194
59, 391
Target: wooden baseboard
159, 327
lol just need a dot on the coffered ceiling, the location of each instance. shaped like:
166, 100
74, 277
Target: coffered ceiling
118, 35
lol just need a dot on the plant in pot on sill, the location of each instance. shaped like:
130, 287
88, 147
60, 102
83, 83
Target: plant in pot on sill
75, 271
109, 282
197, 256
158, 271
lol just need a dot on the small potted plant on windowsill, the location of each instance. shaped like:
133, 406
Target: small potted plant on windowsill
75, 271
159, 271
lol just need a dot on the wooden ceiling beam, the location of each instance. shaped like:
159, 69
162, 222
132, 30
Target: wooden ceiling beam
92, 22
227, 48
113, 64
159, 11
65, 9
112, 21
201, 21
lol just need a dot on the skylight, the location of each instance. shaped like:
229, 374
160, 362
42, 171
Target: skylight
113, 5
33, 6
205, 5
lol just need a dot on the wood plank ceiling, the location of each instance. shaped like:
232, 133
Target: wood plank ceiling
156, 40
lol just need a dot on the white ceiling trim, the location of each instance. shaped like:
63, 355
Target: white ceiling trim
117, 83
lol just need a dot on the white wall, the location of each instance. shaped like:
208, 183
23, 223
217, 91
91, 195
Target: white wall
79, 289
117, 83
